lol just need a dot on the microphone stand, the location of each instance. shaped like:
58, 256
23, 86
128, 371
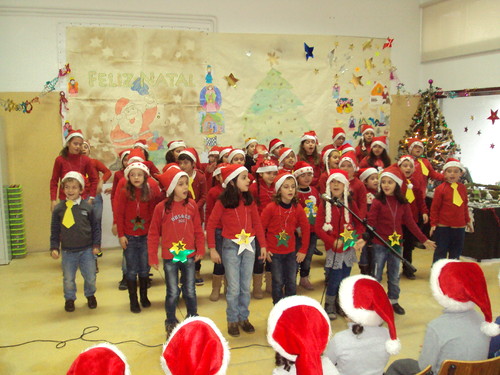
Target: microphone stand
370, 230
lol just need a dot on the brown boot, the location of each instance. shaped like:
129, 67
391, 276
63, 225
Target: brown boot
305, 283
269, 282
233, 329
257, 286
216, 285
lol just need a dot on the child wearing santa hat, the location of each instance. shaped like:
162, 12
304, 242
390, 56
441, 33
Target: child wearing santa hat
209, 168
460, 333
176, 221
142, 144
450, 213
280, 219
378, 156
287, 159
308, 152
250, 146
240, 220
365, 347
364, 144
423, 167
173, 150
330, 160
341, 234
275, 145
389, 212
338, 137
356, 187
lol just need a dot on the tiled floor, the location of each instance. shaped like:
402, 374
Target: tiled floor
32, 308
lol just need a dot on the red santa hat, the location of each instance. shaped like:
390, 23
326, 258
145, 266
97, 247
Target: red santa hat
193, 155
349, 157
170, 178
123, 154
135, 165
280, 178
249, 141
172, 145
345, 148
214, 151
450, 162
219, 169
230, 172
136, 155
266, 165
404, 158
260, 150
381, 141
365, 302
299, 330
195, 347
364, 173
302, 167
394, 173
120, 104
365, 128
274, 144
340, 176
326, 154
310, 135
72, 134
283, 154
458, 286
142, 144
233, 153
77, 176
336, 133
412, 142
225, 150
101, 359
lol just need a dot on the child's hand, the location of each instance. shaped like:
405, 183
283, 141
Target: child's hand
198, 257
114, 230
155, 266
430, 245
123, 242
425, 218
54, 254
469, 227
432, 231
266, 255
96, 251
214, 255
107, 191
52, 205
359, 244
300, 257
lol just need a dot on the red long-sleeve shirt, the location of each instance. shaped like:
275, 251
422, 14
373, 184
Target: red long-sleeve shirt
262, 194
432, 174
376, 164
316, 169
309, 200
153, 171
212, 196
233, 221
181, 223
116, 180
73, 162
133, 217
389, 217
359, 152
276, 219
358, 194
418, 206
444, 212
99, 167
322, 182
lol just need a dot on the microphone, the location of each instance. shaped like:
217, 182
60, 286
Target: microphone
332, 200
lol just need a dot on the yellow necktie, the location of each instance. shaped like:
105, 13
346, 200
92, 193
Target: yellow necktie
425, 170
457, 199
68, 220
410, 197
191, 188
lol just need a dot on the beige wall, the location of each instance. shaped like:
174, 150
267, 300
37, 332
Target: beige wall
403, 108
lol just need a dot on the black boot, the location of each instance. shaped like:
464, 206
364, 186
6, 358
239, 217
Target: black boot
143, 291
364, 269
132, 294
339, 309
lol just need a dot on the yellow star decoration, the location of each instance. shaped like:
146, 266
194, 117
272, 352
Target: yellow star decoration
316, 71
272, 58
394, 238
369, 64
356, 80
367, 44
347, 234
244, 239
231, 80
177, 247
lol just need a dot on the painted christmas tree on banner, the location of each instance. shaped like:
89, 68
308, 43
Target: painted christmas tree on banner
274, 112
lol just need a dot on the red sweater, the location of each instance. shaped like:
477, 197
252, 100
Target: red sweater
432, 174
262, 194
444, 212
381, 217
309, 199
127, 210
358, 193
316, 169
359, 152
208, 169
181, 223
338, 222
153, 171
99, 167
212, 196
233, 221
116, 180
418, 206
78, 163
276, 219
376, 164
322, 182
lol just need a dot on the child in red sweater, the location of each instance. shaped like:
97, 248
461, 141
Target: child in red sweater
377, 157
339, 231
209, 168
309, 200
133, 209
364, 145
280, 220
240, 220
388, 213
331, 160
275, 146
174, 148
250, 145
338, 137
176, 221
153, 171
450, 213
308, 152
356, 187
423, 167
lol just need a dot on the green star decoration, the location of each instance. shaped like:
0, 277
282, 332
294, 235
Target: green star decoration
180, 252
138, 223
283, 238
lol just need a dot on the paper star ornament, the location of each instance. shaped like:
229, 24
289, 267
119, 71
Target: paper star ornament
369, 64
180, 252
138, 223
244, 239
356, 80
350, 237
309, 51
367, 44
283, 238
493, 116
395, 239
388, 44
231, 80
272, 58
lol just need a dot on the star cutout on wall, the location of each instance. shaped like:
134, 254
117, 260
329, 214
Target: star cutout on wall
309, 51
351, 46
388, 44
369, 64
367, 44
479, 132
95, 42
493, 116
387, 61
492, 146
243, 239
283, 238
356, 80
466, 129
395, 239
272, 58
231, 80
107, 52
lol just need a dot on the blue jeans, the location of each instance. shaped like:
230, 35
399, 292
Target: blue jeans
218, 268
381, 255
449, 243
97, 209
284, 273
305, 266
136, 255
334, 278
239, 276
171, 270
71, 261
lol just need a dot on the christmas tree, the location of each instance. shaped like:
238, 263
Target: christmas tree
428, 125
274, 107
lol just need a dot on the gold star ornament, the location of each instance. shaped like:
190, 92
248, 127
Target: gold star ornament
395, 239
231, 80
356, 80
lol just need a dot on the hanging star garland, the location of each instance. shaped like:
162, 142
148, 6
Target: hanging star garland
283, 238
138, 223
231, 80
350, 237
388, 44
244, 239
272, 58
493, 116
180, 252
309, 51
356, 80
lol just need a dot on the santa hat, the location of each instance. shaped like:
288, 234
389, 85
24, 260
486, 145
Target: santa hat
337, 132
404, 158
326, 155
101, 359
193, 155
266, 165
381, 141
195, 347
170, 178
365, 302
120, 104
458, 286
87, 142
260, 150
350, 157
274, 144
345, 148
214, 151
453, 163
219, 169
142, 144
72, 134
230, 172
364, 173
412, 142
136, 155
393, 172
280, 178
172, 145
249, 141
284, 152
299, 330
224, 150
367, 128
77, 176
302, 167
311, 135
123, 154
136, 165
233, 153
340, 176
